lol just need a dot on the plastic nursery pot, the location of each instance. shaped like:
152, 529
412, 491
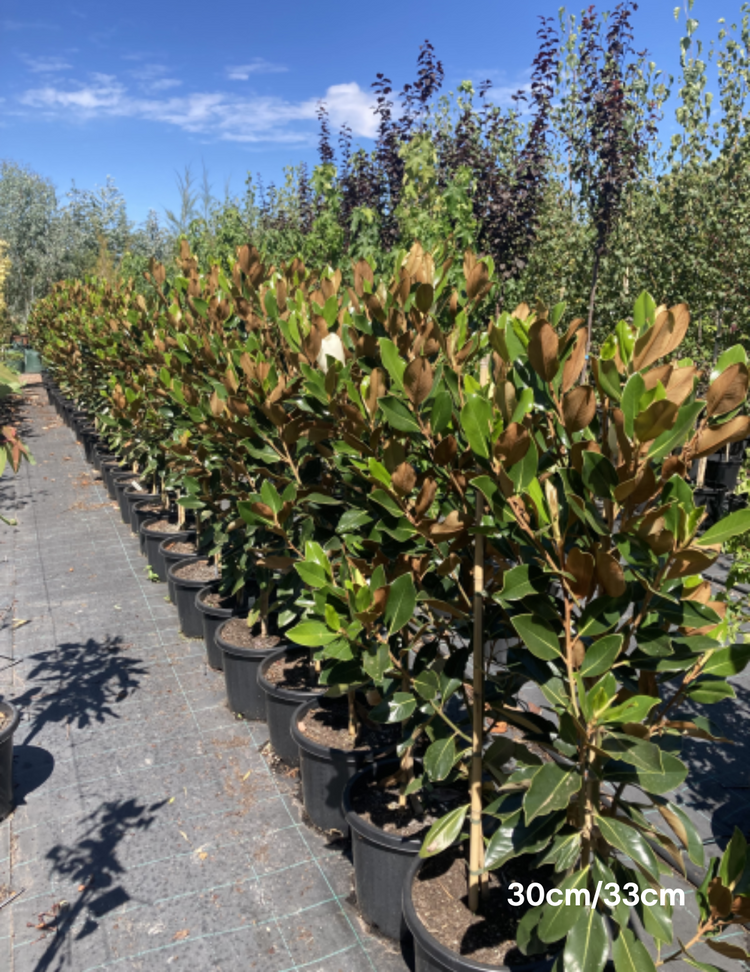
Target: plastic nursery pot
101, 454
723, 472
282, 703
147, 508
245, 695
132, 497
738, 502
7, 727
213, 616
325, 771
170, 556
185, 589
111, 468
381, 859
431, 956
712, 497
121, 482
153, 539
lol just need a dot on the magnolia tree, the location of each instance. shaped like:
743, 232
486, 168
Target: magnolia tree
444, 512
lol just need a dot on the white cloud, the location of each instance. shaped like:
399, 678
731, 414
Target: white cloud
45, 65
151, 78
348, 103
217, 115
258, 65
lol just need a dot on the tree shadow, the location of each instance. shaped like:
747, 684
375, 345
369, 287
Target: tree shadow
79, 684
719, 773
92, 864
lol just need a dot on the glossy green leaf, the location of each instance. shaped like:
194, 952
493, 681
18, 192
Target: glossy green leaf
630, 954
444, 832
551, 789
397, 415
538, 636
728, 661
402, 599
630, 841
601, 655
587, 944
731, 526
475, 422
558, 919
392, 361
312, 634
439, 758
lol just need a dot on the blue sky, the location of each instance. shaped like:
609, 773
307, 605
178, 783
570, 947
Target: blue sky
139, 90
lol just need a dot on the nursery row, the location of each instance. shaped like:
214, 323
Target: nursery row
388, 520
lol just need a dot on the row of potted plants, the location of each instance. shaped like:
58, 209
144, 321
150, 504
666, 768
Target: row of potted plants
430, 513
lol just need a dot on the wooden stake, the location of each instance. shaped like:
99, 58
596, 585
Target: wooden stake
477, 880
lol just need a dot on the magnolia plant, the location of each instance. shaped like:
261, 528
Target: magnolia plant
583, 497
468, 516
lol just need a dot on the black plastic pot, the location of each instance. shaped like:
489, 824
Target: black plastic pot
324, 772
153, 539
132, 497
110, 468
169, 558
213, 618
723, 472
191, 619
139, 514
6, 757
431, 956
738, 502
120, 482
102, 454
381, 860
281, 704
245, 695
712, 497
89, 438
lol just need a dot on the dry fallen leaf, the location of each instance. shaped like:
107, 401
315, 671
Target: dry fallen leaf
246, 775
181, 934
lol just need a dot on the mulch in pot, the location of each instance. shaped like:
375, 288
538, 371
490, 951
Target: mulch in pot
153, 508
186, 547
440, 899
236, 632
197, 570
377, 803
328, 725
164, 526
293, 673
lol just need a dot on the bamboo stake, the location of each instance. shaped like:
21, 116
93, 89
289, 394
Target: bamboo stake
477, 880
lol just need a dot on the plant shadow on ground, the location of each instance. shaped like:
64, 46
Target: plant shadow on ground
92, 865
719, 773
78, 683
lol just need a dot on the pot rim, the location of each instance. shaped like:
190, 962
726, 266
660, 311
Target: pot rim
216, 612
15, 717
160, 533
374, 834
170, 539
237, 651
185, 582
316, 749
460, 963
288, 695
129, 491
